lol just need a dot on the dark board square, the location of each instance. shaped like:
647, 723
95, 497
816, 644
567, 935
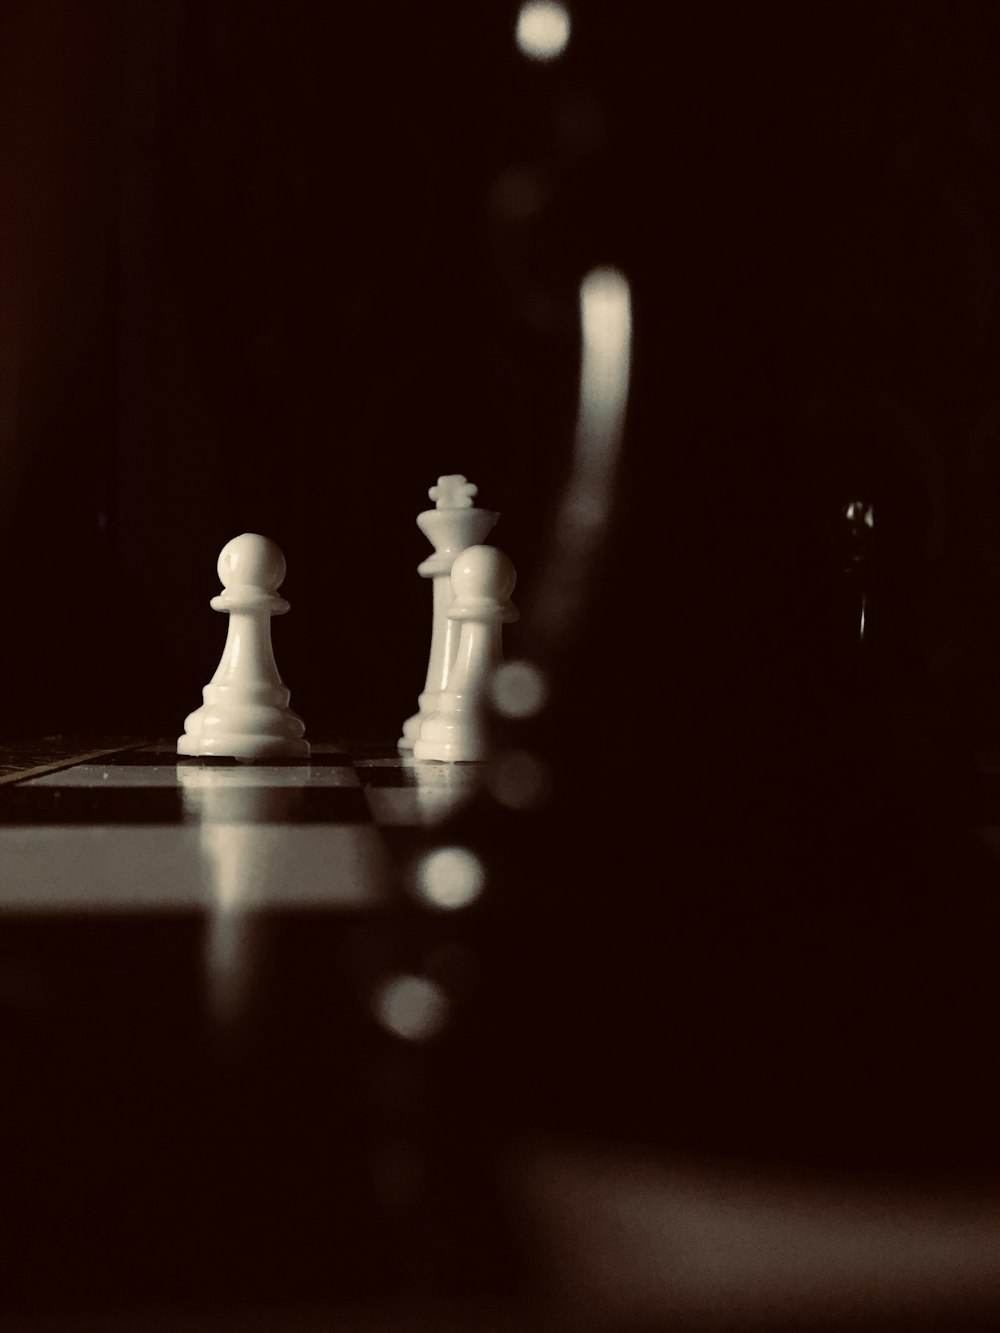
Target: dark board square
28, 804
138, 758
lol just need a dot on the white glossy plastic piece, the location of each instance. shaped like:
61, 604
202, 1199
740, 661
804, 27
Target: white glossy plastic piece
452, 526
245, 714
482, 580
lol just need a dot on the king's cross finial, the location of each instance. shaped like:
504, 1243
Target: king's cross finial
453, 492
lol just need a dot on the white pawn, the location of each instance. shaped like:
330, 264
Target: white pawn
451, 526
245, 714
482, 579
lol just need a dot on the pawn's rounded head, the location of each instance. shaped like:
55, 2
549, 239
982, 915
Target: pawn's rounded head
251, 561
483, 572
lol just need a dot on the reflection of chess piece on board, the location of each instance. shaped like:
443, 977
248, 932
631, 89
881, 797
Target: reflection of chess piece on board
482, 579
452, 526
244, 832
245, 714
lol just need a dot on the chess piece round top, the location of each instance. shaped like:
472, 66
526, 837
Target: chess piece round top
245, 714
251, 560
483, 578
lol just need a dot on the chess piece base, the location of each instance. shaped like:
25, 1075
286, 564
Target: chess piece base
243, 731
243, 747
450, 741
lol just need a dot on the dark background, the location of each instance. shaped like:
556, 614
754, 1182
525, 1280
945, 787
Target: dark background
275, 268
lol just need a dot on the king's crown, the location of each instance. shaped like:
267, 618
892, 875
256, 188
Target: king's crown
453, 492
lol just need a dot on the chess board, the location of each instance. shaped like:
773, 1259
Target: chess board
217, 1099
117, 826
213, 1004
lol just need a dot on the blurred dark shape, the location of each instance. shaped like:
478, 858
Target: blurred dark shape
858, 539
859, 518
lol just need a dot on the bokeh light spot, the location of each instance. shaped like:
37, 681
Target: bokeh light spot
450, 877
414, 1008
519, 690
542, 29
519, 780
